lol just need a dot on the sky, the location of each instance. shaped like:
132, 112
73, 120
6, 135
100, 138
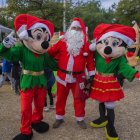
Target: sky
2, 3
105, 3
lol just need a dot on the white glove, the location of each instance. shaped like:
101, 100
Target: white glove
9, 41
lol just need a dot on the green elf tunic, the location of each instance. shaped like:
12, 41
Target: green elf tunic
31, 63
105, 87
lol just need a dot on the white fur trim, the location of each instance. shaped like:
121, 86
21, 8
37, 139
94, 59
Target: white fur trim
110, 105
40, 25
85, 54
69, 78
61, 81
22, 32
23, 35
79, 118
59, 117
21, 29
125, 38
90, 73
75, 24
92, 46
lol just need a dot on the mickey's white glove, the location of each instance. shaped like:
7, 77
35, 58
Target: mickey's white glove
9, 41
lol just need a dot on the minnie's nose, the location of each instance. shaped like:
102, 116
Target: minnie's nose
45, 44
108, 50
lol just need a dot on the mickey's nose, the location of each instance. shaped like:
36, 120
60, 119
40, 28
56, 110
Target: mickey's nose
45, 44
108, 50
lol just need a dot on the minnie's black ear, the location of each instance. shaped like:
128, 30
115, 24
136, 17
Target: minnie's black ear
100, 42
123, 44
131, 49
49, 38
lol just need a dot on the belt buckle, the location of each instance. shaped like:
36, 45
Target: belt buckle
70, 72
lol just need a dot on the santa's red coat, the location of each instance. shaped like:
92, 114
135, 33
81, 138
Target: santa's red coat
72, 63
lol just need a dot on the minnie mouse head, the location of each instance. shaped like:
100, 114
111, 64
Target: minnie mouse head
111, 40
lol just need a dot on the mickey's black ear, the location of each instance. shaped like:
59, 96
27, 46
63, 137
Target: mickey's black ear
29, 33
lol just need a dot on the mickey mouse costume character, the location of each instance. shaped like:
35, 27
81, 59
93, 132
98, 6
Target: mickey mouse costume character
111, 41
35, 33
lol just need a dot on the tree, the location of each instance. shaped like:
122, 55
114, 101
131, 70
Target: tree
127, 11
46, 9
92, 14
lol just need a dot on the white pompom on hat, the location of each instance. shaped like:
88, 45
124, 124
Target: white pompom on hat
92, 46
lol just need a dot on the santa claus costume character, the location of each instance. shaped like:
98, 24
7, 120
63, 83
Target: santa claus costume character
35, 33
73, 58
111, 41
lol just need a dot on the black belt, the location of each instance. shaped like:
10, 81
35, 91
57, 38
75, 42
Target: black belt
71, 72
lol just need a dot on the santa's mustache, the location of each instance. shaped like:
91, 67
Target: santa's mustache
74, 42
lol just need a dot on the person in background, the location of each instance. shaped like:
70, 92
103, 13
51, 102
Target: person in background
16, 72
0, 68
6, 72
50, 82
54, 87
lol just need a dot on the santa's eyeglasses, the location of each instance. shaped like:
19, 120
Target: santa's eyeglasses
76, 28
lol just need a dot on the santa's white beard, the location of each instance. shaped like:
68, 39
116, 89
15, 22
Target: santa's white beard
75, 41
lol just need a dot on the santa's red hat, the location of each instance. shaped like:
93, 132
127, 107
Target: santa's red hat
77, 22
24, 22
126, 33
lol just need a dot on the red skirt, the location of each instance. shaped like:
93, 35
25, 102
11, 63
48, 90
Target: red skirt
106, 88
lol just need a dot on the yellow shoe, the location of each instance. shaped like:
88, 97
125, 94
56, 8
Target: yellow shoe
110, 138
103, 124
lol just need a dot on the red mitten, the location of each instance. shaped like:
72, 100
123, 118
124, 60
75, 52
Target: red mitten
137, 75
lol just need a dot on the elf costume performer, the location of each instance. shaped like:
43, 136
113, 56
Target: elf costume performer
35, 35
111, 40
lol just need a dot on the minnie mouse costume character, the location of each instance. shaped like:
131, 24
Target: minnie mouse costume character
111, 41
35, 34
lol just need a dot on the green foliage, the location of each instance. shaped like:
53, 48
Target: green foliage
90, 12
127, 11
5, 18
46, 9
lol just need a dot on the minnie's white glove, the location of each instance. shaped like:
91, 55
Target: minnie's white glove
9, 41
